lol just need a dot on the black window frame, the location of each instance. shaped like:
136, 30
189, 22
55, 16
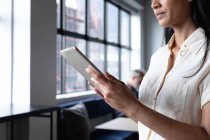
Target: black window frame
62, 32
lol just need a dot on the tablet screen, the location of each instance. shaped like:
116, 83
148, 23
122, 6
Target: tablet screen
78, 60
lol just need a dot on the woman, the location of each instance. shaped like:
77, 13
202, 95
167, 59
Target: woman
174, 97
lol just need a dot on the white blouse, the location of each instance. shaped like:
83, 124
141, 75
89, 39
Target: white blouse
180, 98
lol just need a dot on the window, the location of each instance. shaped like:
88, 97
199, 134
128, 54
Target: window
58, 13
15, 51
125, 60
101, 29
97, 55
125, 32
95, 19
6, 51
112, 23
73, 81
74, 16
58, 65
113, 60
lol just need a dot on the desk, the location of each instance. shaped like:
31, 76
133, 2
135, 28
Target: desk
13, 112
120, 123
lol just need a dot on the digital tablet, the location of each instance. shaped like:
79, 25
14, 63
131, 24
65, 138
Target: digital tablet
78, 60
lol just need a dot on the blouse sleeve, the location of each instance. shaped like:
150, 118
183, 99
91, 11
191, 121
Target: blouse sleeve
205, 90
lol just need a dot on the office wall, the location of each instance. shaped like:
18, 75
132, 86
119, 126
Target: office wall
141, 2
43, 52
154, 34
151, 33
43, 63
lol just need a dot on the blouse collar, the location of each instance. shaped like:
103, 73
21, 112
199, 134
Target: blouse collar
197, 35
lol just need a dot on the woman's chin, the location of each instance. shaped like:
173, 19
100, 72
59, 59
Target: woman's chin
163, 24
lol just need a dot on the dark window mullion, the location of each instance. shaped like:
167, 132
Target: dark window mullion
63, 8
96, 40
12, 47
62, 46
119, 41
113, 44
86, 34
126, 47
61, 14
86, 17
105, 36
80, 36
130, 31
130, 41
63, 67
87, 38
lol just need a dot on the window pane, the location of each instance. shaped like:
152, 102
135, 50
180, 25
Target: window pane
125, 64
21, 53
58, 65
6, 50
96, 54
58, 13
125, 28
136, 42
96, 19
74, 16
112, 23
113, 60
73, 80
135, 59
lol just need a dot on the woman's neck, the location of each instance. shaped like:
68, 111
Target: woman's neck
182, 32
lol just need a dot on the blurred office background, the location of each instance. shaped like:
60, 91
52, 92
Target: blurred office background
117, 35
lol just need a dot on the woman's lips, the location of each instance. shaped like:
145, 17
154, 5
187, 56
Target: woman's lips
160, 15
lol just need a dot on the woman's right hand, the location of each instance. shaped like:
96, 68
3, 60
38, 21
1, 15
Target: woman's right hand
115, 92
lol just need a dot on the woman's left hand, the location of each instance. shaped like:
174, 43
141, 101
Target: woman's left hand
114, 91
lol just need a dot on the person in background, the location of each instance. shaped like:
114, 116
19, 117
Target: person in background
134, 80
174, 96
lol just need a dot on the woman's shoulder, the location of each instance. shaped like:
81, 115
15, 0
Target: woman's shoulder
161, 52
160, 57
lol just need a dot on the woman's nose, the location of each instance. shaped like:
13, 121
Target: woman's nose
155, 4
